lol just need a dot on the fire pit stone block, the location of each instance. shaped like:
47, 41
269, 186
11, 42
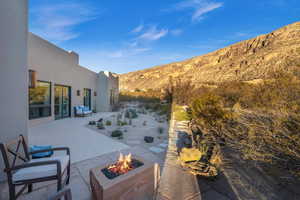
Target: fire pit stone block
137, 184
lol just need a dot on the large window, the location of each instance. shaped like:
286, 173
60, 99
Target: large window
87, 93
40, 100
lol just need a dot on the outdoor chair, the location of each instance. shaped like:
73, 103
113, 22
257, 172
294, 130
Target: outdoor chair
63, 194
23, 171
82, 111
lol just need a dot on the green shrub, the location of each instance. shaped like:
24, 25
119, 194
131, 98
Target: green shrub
108, 123
180, 114
131, 114
208, 110
121, 123
117, 133
160, 130
100, 125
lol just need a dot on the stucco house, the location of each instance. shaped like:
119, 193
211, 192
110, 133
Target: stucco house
58, 83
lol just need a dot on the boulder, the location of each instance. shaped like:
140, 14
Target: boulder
148, 139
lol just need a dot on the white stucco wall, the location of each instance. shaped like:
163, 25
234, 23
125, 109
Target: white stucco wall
13, 71
106, 82
58, 66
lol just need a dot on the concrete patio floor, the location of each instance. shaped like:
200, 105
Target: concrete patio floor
79, 182
89, 149
83, 142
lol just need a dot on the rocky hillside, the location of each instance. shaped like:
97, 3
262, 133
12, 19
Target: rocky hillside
247, 60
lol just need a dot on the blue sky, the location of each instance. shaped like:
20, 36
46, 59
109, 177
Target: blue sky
128, 35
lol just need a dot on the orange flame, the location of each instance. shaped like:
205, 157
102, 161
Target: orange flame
123, 164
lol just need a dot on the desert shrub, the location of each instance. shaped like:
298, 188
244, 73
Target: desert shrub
108, 123
100, 125
232, 92
160, 130
117, 133
141, 96
209, 110
121, 123
178, 91
131, 113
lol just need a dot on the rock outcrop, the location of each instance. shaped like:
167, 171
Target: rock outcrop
248, 60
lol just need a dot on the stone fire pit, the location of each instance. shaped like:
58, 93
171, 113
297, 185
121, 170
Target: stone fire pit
137, 184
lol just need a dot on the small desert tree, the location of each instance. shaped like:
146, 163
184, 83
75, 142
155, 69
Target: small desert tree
208, 110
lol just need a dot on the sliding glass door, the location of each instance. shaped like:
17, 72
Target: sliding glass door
62, 101
87, 98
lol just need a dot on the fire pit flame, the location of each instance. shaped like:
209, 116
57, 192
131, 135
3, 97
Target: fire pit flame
123, 165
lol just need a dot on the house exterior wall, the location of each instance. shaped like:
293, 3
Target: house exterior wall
58, 66
13, 71
107, 83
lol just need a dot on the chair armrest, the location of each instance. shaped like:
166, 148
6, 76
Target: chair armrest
52, 149
35, 164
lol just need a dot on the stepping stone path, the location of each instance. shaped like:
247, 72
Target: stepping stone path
163, 145
156, 149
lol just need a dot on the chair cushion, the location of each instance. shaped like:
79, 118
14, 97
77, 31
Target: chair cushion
86, 109
87, 112
78, 109
41, 171
42, 154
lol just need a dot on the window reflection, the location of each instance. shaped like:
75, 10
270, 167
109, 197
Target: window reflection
40, 100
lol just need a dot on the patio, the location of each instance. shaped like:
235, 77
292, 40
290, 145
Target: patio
89, 149
79, 182
84, 143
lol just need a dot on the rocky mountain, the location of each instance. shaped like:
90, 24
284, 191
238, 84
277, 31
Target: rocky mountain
247, 60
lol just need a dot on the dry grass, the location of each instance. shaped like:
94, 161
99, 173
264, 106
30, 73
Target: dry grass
180, 114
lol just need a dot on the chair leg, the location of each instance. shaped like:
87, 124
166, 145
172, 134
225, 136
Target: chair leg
68, 174
59, 184
12, 192
29, 188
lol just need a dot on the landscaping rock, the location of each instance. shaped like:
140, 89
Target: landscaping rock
184, 141
92, 123
117, 133
148, 139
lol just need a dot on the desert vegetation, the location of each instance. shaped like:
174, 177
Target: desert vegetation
258, 119
147, 96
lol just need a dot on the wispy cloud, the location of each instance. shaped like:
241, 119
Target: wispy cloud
126, 52
57, 22
153, 33
140, 43
138, 29
199, 7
